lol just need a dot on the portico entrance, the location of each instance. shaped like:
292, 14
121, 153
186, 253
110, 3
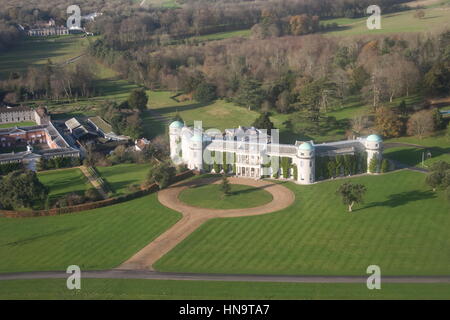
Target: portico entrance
249, 172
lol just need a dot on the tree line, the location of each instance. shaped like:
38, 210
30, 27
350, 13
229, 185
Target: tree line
51, 81
304, 76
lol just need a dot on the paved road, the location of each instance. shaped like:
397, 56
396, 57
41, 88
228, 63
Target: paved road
193, 217
152, 275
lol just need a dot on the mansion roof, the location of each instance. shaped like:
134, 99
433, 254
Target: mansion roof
14, 109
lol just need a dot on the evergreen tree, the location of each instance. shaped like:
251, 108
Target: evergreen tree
225, 185
250, 94
205, 93
263, 122
384, 166
21, 189
373, 165
138, 100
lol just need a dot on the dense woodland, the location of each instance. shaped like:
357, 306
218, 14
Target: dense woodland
124, 23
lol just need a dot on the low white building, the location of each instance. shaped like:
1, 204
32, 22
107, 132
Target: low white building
249, 152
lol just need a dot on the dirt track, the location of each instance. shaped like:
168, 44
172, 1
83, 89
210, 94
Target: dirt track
193, 217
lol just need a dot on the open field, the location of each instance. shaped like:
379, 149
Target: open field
245, 33
95, 239
200, 290
121, 176
110, 89
159, 3
64, 181
436, 17
220, 114
37, 51
210, 196
402, 227
438, 145
413, 156
425, 3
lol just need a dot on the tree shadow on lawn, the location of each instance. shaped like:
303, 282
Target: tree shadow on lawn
121, 187
173, 109
400, 199
38, 237
413, 156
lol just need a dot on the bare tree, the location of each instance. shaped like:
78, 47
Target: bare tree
421, 123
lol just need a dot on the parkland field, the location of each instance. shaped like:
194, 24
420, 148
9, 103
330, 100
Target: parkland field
437, 17
402, 227
38, 51
201, 290
94, 239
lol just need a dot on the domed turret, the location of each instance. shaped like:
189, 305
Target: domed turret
306, 150
175, 141
374, 138
176, 125
305, 163
374, 148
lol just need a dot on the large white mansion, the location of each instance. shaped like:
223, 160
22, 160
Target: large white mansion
253, 151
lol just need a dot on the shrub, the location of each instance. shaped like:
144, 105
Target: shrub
373, 165
205, 93
295, 172
384, 166
92, 194
6, 168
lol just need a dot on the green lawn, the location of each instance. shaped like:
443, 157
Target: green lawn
108, 88
95, 239
200, 290
437, 144
211, 196
223, 35
413, 156
161, 3
436, 18
121, 176
64, 181
18, 124
220, 114
108, 85
37, 51
402, 227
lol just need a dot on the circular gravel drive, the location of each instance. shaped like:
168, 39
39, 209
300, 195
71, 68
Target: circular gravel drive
193, 217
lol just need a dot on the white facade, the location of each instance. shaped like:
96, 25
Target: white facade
251, 153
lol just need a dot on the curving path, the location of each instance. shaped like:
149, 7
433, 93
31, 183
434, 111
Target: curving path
193, 217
